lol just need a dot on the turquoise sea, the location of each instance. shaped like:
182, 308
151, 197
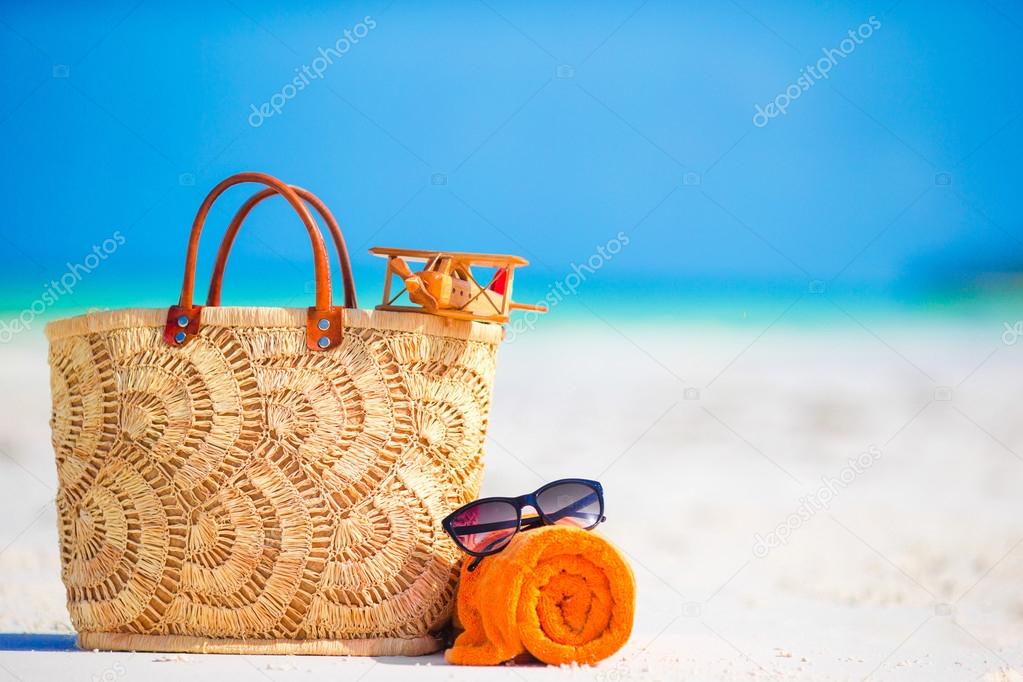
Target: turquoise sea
605, 298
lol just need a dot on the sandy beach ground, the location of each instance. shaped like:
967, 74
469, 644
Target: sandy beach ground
906, 564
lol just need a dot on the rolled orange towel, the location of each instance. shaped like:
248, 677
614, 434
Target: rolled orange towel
562, 594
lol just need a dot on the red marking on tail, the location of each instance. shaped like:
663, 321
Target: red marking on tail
500, 281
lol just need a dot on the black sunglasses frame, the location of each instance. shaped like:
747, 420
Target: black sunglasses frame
519, 503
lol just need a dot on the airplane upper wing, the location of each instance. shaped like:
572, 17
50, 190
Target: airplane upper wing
420, 255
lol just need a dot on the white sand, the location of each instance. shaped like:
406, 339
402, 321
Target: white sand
913, 572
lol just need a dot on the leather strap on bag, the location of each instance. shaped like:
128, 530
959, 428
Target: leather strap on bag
217, 280
323, 321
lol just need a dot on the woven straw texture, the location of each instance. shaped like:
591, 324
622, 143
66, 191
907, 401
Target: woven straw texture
242, 487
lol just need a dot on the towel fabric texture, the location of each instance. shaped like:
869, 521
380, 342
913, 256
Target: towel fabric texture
562, 594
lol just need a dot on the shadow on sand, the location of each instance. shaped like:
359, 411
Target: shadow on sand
28, 641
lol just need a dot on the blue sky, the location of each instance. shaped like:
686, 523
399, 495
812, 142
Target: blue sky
531, 128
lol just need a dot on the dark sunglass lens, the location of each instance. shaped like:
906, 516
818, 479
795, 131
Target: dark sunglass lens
571, 504
485, 527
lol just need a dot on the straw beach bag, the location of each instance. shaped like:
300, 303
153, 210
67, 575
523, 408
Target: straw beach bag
265, 480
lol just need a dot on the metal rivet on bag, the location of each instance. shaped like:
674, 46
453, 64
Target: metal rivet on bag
324, 325
323, 342
183, 321
180, 337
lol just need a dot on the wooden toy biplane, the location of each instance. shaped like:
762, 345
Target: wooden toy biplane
448, 287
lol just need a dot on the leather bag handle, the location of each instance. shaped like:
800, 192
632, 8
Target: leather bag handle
217, 279
323, 321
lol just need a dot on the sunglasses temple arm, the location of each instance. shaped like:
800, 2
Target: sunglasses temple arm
484, 527
530, 522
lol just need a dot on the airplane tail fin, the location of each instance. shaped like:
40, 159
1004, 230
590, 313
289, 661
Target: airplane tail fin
500, 282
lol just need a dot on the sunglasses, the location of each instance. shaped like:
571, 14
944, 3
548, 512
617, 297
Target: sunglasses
486, 526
